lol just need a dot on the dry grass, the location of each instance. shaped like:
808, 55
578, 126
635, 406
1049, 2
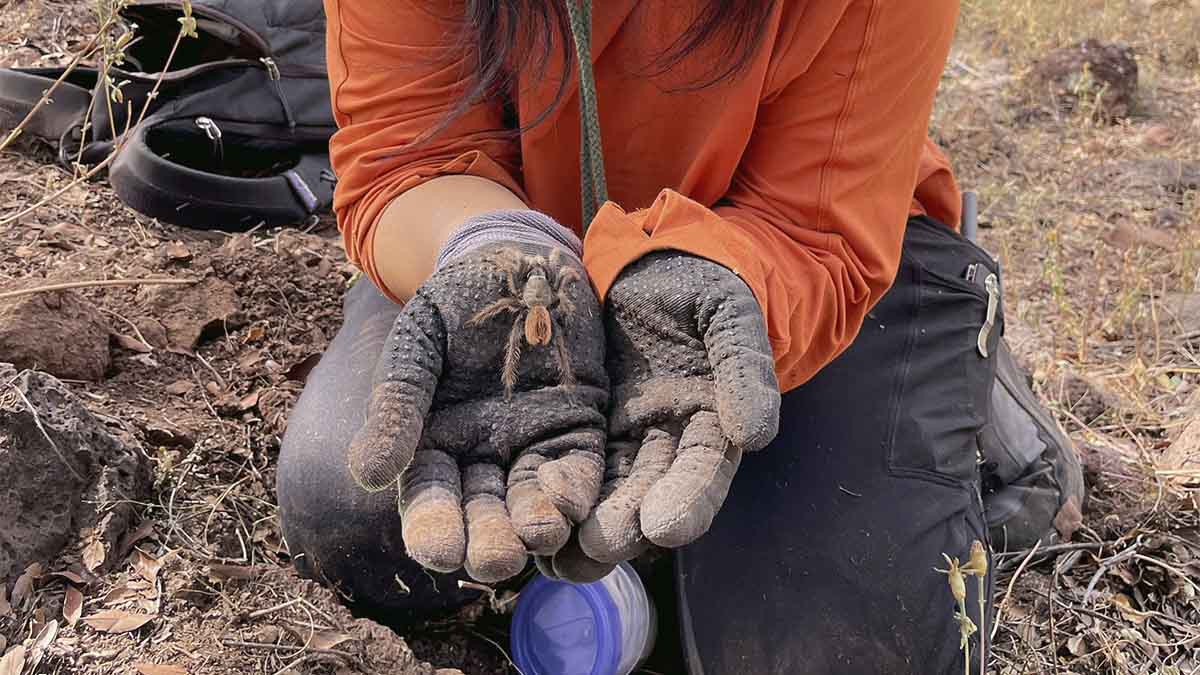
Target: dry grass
1101, 253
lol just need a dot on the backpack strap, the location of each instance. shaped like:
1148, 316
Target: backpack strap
176, 186
64, 113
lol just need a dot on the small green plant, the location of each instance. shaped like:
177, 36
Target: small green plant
107, 48
956, 575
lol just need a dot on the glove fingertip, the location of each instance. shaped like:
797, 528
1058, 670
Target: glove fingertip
751, 421
572, 563
434, 535
374, 461
670, 524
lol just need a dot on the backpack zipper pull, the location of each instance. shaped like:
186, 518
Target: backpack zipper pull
274, 75
213, 132
993, 292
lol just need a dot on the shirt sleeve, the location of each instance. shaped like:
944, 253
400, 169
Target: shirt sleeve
815, 216
395, 73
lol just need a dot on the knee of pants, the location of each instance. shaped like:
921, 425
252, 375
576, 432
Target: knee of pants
324, 515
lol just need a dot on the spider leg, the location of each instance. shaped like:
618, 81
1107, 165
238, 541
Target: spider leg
512, 262
512, 358
564, 276
512, 283
562, 358
497, 307
564, 301
555, 256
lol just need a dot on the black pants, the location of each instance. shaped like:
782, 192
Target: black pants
823, 558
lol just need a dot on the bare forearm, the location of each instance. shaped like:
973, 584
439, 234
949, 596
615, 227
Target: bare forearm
415, 226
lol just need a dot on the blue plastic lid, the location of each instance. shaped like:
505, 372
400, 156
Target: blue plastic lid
561, 628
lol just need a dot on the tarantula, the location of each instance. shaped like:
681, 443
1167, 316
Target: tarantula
537, 285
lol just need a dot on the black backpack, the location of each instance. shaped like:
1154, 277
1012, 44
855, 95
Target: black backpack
238, 133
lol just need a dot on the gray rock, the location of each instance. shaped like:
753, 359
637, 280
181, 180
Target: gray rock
64, 471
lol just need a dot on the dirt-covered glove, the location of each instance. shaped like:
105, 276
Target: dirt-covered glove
489, 399
693, 387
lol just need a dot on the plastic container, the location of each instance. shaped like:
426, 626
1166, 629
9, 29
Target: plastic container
606, 627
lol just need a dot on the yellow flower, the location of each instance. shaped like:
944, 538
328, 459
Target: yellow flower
958, 582
977, 564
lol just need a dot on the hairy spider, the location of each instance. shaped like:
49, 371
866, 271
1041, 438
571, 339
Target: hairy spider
537, 285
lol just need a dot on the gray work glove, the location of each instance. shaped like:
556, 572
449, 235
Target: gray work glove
693, 387
489, 398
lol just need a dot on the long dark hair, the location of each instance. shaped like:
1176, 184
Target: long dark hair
506, 36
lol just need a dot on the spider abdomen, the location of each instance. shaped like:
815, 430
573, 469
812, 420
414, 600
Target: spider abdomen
538, 329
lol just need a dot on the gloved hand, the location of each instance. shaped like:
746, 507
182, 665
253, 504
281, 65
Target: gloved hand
693, 387
489, 398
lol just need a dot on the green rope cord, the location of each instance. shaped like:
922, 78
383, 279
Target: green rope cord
593, 187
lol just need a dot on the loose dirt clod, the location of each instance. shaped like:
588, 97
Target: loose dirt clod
190, 313
58, 332
1100, 77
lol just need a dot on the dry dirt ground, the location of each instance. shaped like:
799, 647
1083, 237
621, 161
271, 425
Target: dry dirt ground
1089, 199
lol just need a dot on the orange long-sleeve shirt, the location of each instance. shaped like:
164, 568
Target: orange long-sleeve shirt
798, 175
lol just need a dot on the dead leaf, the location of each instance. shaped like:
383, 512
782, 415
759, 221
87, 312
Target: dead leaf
1180, 462
249, 401
13, 662
24, 584
146, 566
229, 404
159, 669
132, 344
93, 554
73, 577
180, 387
1158, 135
1129, 235
38, 649
1076, 645
1069, 518
72, 605
255, 333
250, 359
132, 537
123, 592
327, 639
1125, 605
5, 607
177, 251
117, 621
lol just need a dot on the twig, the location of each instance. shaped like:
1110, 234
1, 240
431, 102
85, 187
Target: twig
46, 95
38, 422
132, 325
120, 141
1104, 565
94, 283
1165, 566
301, 659
1056, 548
1008, 592
220, 380
293, 648
1053, 627
493, 643
270, 610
